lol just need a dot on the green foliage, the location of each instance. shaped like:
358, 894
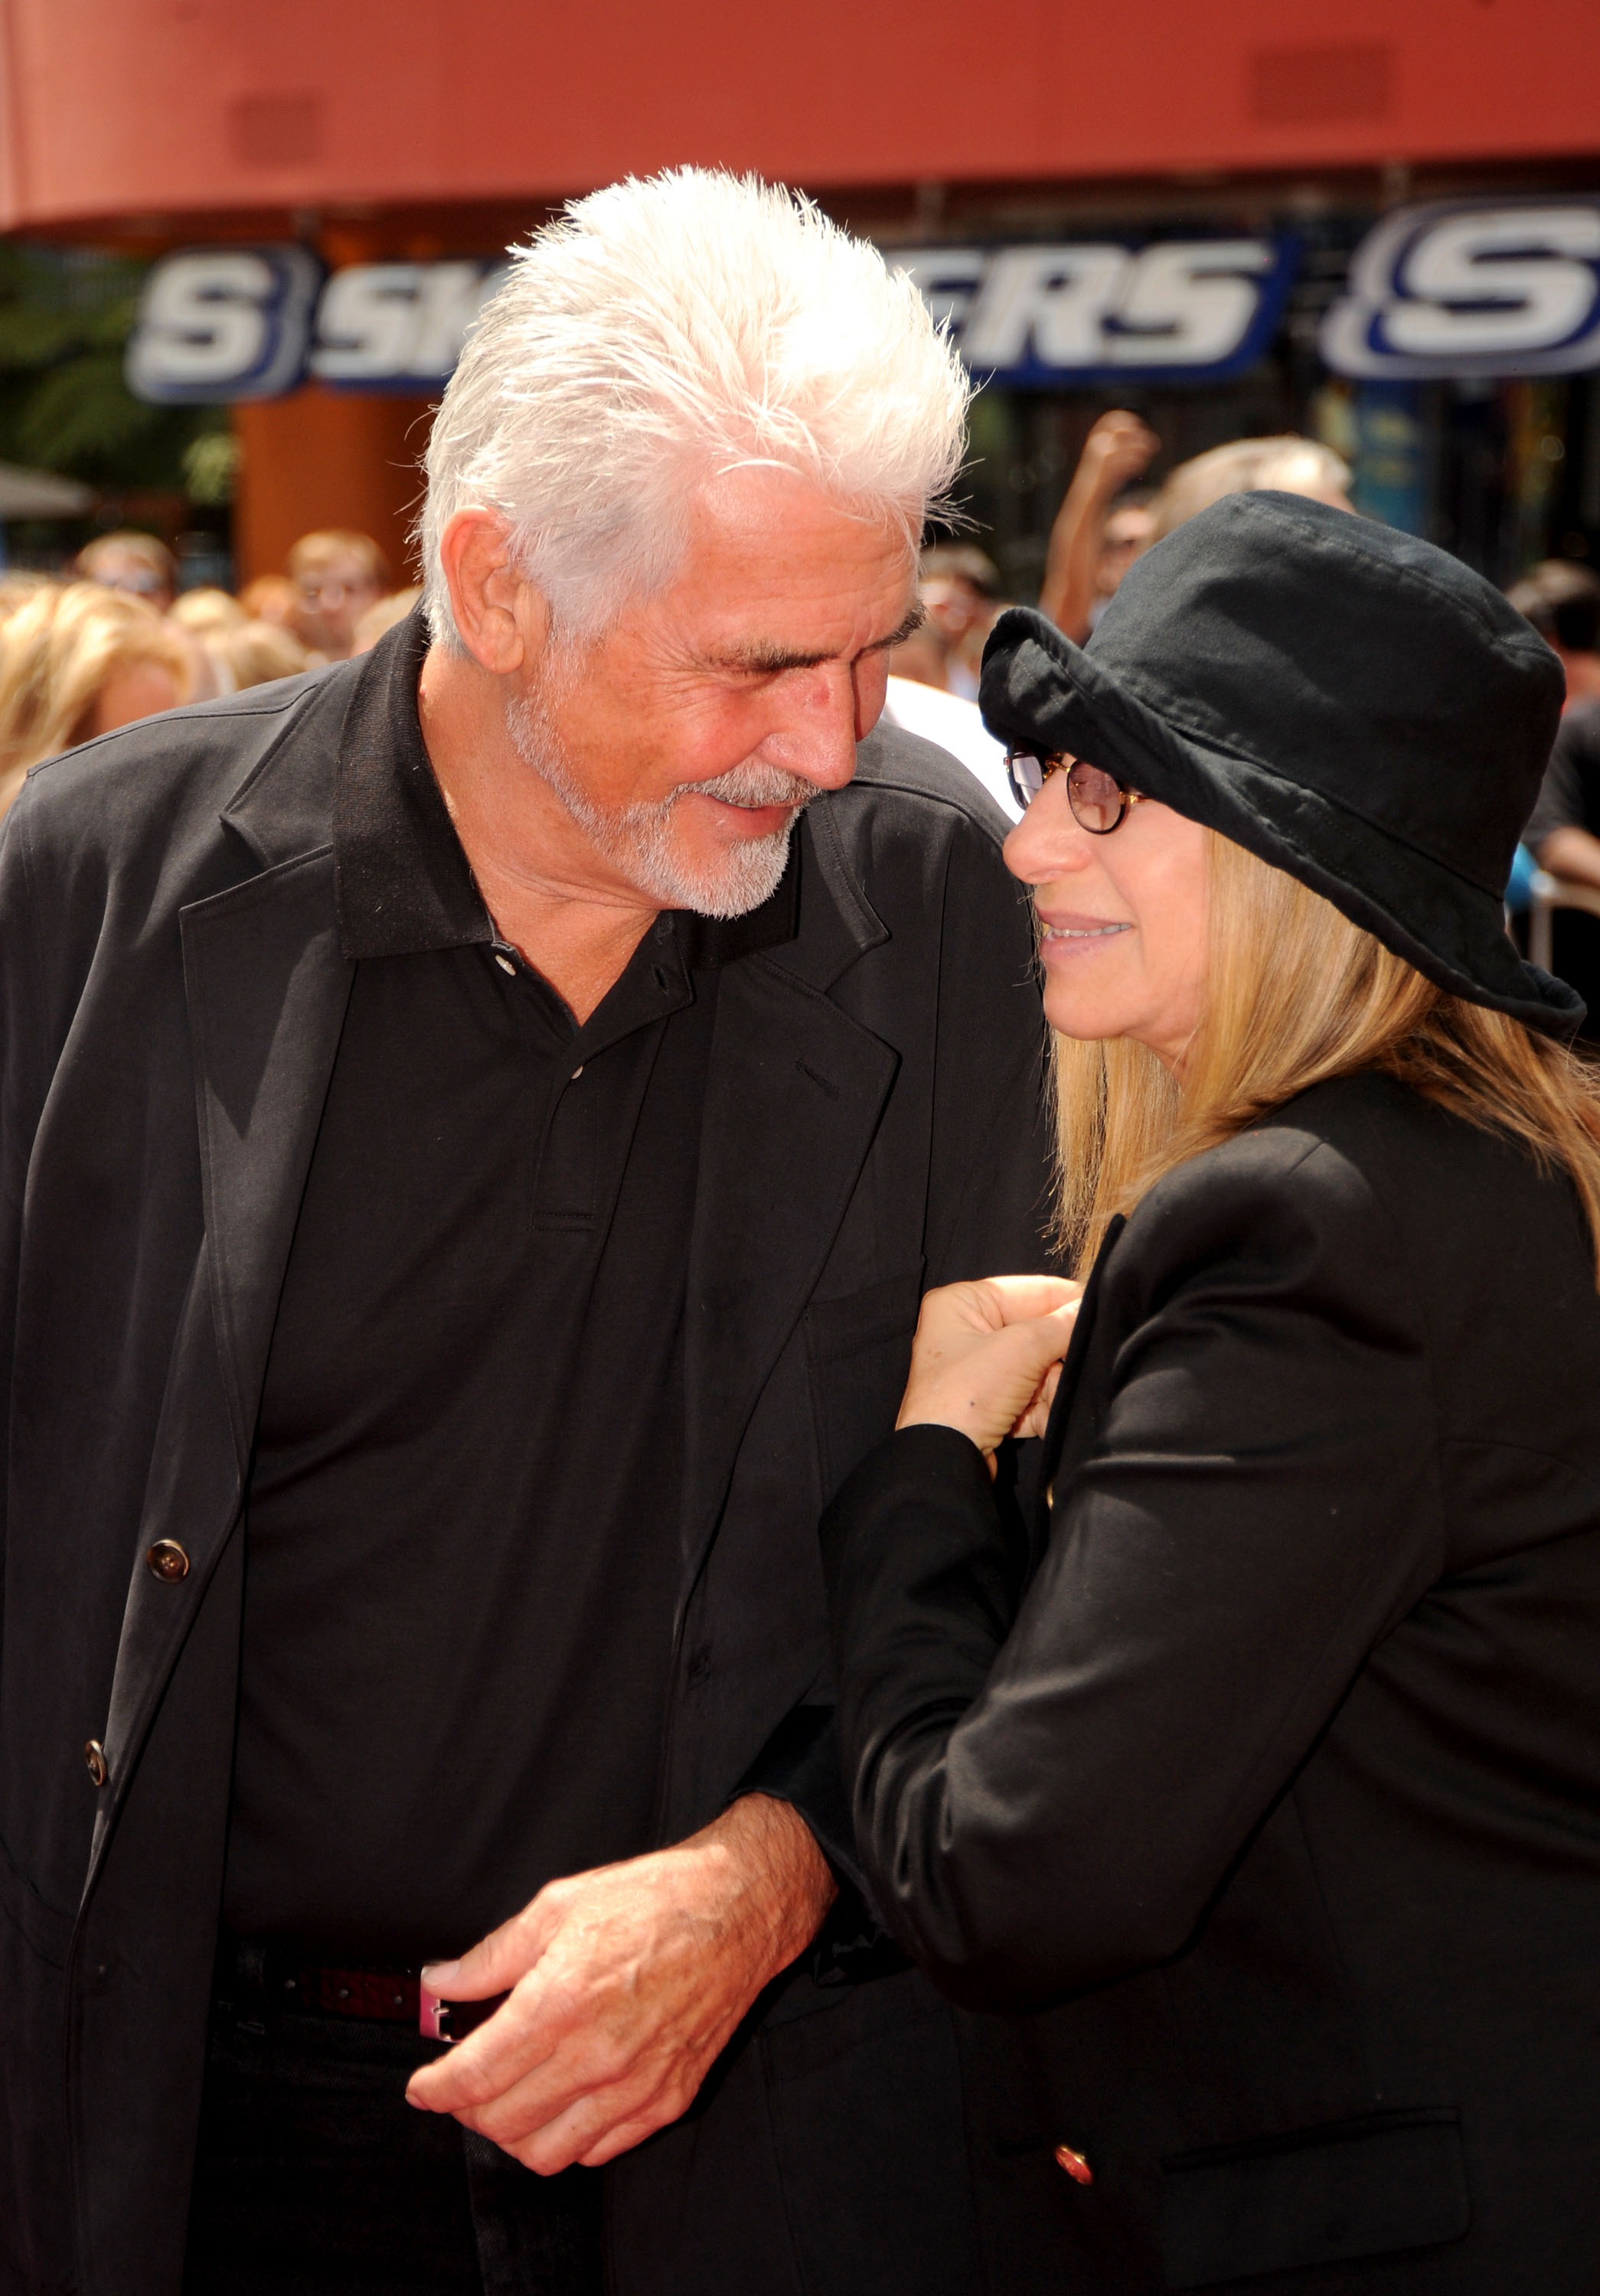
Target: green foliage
210, 466
65, 315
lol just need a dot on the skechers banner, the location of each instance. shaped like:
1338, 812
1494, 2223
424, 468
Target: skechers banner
1467, 288
223, 323
1183, 311
1489, 288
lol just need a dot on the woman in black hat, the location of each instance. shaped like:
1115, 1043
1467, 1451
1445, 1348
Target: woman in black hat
1257, 1781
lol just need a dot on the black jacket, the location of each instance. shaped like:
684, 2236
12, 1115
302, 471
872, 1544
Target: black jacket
171, 992
1265, 1792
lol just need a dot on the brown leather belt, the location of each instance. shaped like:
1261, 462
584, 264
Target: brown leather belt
394, 1996
390, 1997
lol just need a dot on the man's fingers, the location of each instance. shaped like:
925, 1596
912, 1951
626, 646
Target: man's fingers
591, 2124
518, 2041
495, 1963
585, 2104
560, 2109
591, 2133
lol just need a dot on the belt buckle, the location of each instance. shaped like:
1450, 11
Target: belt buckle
432, 2014
439, 2020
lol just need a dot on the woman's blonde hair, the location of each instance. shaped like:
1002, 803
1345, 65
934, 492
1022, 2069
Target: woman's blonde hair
1295, 994
58, 651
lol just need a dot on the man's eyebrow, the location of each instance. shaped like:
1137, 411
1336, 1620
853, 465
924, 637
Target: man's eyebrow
764, 660
914, 620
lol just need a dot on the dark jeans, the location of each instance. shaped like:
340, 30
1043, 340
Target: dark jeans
315, 2177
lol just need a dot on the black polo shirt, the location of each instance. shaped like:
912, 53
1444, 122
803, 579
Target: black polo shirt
463, 1542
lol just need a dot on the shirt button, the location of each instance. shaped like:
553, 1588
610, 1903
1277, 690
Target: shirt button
506, 964
167, 1562
576, 1074
94, 1762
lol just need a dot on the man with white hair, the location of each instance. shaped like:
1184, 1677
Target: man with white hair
477, 1123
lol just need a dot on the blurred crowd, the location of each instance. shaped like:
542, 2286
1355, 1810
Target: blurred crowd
111, 640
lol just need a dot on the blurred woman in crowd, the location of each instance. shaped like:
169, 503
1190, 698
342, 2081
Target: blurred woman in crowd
77, 660
338, 574
17, 587
204, 613
253, 653
139, 564
1287, 464
238, 650
1255, 1778
271, 598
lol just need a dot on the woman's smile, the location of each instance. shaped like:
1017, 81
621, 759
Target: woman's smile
1065, 934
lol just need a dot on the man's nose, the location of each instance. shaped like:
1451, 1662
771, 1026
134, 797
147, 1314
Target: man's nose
818, 742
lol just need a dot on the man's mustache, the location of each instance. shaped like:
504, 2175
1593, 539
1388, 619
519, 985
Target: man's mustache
751, 786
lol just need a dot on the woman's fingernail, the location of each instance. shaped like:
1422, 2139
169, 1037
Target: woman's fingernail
435, 1975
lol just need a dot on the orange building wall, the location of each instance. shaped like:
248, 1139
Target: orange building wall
322, 458
159, 121
155, 109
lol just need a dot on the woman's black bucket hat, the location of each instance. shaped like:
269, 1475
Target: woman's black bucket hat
1351, 704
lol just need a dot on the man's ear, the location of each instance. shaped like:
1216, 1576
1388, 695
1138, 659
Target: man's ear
503, 619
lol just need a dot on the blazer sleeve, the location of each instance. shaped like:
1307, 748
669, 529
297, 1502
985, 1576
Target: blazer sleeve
1051, 1780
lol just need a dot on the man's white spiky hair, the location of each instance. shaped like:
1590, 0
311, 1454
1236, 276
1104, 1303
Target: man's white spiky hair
657, 333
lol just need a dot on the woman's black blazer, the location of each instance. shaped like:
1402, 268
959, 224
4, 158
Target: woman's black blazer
1259, 1787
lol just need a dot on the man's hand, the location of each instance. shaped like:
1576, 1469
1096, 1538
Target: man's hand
625, 1984
987, 1356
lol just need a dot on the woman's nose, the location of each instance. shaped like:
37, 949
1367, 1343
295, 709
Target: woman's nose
1047, 841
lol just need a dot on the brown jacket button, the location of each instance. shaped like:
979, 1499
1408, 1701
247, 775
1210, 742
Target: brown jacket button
94, 1755
167, 1562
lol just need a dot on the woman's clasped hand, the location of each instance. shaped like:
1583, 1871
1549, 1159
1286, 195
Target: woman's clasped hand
987, 1355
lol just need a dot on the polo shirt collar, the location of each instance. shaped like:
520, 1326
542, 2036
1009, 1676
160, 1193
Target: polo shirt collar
402, 882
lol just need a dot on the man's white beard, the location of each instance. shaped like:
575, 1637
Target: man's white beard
638, 838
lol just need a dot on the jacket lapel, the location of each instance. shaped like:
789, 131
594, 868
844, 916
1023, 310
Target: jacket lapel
792, 1101
267, 987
